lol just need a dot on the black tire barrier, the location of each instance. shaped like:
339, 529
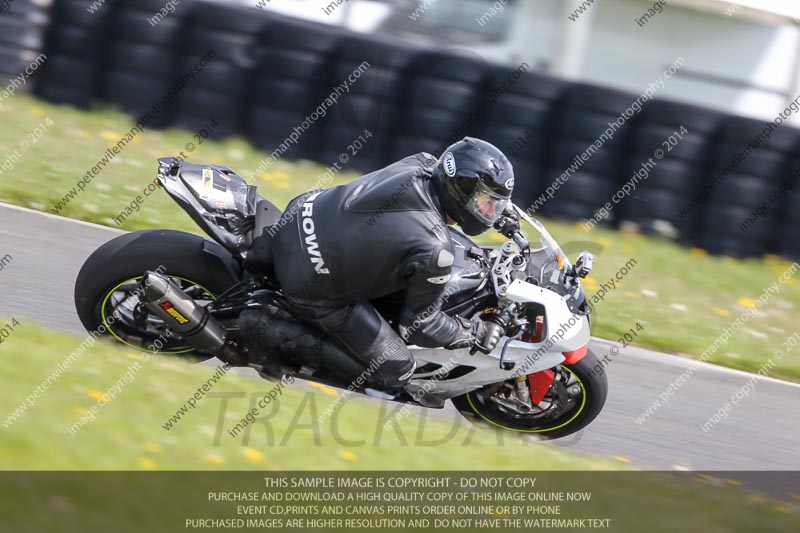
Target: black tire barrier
21, 39
292, 95
74, 76
742, 130
227, 18
58, 93
222, 78
17, 32
73, 72
12, 62
19, 8
137, 94
521, 145
132, 25
655, 204
143, 59
530, 84
579, 198
698, 120
788, 245
603, 162
742, 190
680, 178
76, 13
598, 99
523, 111
529, 181
197, 108
236, 49
767, 164
271, 72
588, 126
296, 65
692, 148
76, 41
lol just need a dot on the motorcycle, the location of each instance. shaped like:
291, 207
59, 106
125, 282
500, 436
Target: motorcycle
180, 294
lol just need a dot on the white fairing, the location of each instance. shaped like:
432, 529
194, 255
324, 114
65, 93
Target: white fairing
564, 332
560, 324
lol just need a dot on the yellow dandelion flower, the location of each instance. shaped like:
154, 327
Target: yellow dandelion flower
252, 455
699, 252
134, 356
721, 312
348, 456
621, 459
172, 366
152, 447
747, 302
755, 498
783, 509
38, 111
95, 394
604, 241
324, 388
83, 133
214, 459
633, 295
147, 464
110, 136
733, 482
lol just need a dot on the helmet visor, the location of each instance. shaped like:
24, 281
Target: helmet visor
486, 205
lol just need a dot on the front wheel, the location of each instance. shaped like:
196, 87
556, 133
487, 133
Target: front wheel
575, 398
107, 283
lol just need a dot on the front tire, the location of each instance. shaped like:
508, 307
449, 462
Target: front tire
587, 376
110, 275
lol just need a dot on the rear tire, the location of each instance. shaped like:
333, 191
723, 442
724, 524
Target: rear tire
118, 265
591, 377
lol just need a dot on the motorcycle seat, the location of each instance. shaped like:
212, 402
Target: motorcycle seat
259, 256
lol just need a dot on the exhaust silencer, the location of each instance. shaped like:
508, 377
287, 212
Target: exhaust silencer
183, 315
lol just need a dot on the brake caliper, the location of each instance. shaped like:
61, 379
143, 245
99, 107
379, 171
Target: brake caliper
539, 383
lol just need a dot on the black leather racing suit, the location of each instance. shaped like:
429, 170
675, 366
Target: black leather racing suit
385, 232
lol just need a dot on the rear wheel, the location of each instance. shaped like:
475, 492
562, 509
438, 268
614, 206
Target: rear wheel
105, 295
575, 398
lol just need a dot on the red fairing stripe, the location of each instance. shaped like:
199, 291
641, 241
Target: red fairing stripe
570, 358
539, 383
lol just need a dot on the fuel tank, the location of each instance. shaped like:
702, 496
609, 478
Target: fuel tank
469, 276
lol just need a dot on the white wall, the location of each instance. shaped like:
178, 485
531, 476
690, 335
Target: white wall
620, 54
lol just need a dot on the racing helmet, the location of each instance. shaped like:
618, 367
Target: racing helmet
474, 181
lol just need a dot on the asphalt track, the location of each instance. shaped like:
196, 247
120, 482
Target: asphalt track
760, 433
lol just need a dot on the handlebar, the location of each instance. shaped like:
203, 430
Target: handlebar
509, 227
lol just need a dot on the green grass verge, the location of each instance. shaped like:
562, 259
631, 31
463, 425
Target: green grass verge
683, 299
128, 434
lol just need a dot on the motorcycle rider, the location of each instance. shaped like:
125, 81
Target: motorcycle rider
385, 233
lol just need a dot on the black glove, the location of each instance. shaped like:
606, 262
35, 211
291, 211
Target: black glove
465, 337
486, 336
478, 335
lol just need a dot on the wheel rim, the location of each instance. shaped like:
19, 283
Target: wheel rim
491, 412
125, 326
